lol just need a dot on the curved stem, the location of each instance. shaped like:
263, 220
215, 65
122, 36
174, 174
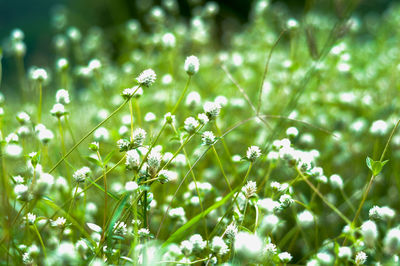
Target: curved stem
87, 135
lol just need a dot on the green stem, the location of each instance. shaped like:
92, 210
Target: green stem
222, 168
182, 95
40, 240
87, 135
40, 101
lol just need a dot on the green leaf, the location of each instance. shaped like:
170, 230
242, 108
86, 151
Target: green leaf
182, 231
108, 157
115, 218
94, 160
375, 166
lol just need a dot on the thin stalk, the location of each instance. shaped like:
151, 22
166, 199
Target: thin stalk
365, 194
105, 194
40, 101
221, 167
182, 95
131, 113
244, 212
330, 205
40, 240
87, 135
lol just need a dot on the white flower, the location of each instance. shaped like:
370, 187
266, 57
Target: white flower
193, 98
250, 189
211, 109
361, 258
186, 247
198, 243
305, 218
94, 64
203, 118
191, 124
101, 134
153, 161
62, 96
285, 256
138, 137
218, 246
379, 127
31, 218
131, 186
62, 64
59, 222
169, 40
120, 228
369, 231
231, 231
81, 174
344, 252
336, 181
248, 245
391, 243
39, 74
58, 110
147, 78
192, 65
253, 152
208, 138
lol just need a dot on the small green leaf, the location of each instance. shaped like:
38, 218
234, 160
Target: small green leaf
108, 157
94, 160
375, 166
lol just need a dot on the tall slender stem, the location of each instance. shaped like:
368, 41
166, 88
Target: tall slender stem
87, 135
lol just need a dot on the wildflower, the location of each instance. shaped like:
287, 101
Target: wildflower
192, 65
203, 118
285, 257
58, 110
248, 246
138, 137
31, 218
23, 118
292, 132
101, 134
344, 252
208, 138
169, 40
131, 186
123, 145
379, 127
218, 246
231, 231
285, 200
131, 92
147, 78
370, 232
253, 152
198, 243
120, 228
62, 64
59, 222
143, 232
361, 258
336, 181
269, 223
39, 74
270, 249
193, 99
191, 124
250, 189
81, 174
211, 109
169, 118
305, 218
94, 64
94, 146
186, 247
62, 96
391, 243
153, 161
165, 176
